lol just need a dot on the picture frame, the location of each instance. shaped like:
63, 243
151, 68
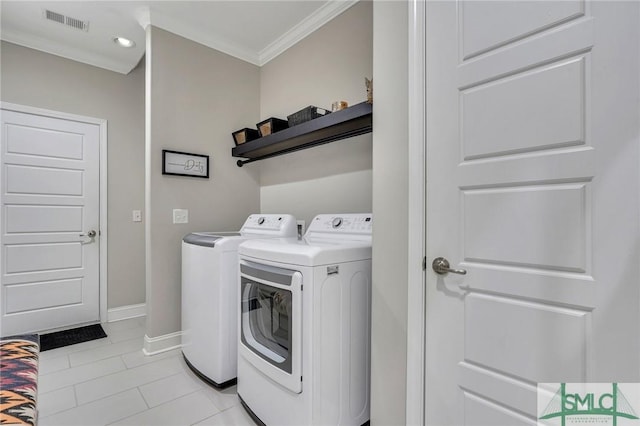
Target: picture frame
178, 163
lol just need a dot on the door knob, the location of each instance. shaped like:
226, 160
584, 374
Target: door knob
441, 266
90, 234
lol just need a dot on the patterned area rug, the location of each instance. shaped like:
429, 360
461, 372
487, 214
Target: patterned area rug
71, 337
19, 379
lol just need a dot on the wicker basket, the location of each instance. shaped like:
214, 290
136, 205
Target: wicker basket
271, 125
306, 114
245, 135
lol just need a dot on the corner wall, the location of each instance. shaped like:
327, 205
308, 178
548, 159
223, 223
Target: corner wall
390, 211
328, 65
37, 79
196, 97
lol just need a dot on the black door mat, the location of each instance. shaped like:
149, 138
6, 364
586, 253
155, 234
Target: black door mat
71, 337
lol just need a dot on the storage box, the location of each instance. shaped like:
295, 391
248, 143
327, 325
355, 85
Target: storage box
306, 114
271, 125
245, 135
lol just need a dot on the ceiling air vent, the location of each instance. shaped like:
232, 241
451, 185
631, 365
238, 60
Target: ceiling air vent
78, 24
53, 16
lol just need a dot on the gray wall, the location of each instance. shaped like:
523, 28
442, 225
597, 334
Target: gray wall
326, 66
390, 212
196, 97
30, 77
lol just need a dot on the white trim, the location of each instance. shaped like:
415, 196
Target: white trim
146, 16
157, 345
26, 109
143, 16
147, 170
103, 184
416, 353
311, 23
126, 312
103, 221
305, 27
204, 37
52, 47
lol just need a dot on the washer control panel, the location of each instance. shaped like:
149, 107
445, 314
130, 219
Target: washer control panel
347, 223
281, 224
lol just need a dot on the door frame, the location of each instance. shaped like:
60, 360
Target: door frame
102, 219
416, 338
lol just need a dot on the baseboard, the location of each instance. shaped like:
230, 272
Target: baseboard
125, 312
157, 345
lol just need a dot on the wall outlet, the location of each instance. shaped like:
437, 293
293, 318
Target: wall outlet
180, 216
136, 216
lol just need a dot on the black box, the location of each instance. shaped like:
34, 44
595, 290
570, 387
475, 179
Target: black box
271, 125
245, 135
306, 114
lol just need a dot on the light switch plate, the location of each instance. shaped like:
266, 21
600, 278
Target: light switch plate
180, 216
136, 216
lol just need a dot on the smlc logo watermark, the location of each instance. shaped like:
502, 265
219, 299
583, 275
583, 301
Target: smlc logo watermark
562, 404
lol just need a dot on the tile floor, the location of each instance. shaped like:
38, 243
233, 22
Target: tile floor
110, 381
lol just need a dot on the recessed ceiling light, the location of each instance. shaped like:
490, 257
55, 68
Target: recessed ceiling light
124, 42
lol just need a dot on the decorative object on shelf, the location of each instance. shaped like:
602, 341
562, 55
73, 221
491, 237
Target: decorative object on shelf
306, 114
185, 164
369, 84
338, 105
245, 135
271, 125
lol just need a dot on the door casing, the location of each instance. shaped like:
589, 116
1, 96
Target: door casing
103, 184
416, 385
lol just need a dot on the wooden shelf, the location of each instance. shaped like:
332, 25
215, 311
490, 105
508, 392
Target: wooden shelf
352, 121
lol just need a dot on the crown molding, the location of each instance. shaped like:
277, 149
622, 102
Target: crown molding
143, 16
310, 24
77, 55
146, 16
175, 26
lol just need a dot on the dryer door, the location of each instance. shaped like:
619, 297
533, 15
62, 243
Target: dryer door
270, 322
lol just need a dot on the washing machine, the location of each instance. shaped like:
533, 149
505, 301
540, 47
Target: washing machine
304, 324
210, 298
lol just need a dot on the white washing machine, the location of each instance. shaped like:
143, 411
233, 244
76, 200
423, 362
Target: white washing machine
210, 296
304, 348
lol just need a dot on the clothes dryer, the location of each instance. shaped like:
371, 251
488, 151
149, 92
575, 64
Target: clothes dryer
304, 328
210, 298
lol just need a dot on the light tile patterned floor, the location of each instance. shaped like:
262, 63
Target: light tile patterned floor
110, 381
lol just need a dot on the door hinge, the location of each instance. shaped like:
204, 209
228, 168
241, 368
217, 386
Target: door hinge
424, 263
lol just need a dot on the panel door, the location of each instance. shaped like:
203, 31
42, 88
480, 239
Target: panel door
50, 197
532, 188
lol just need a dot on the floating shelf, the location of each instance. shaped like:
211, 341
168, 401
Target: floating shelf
352, 121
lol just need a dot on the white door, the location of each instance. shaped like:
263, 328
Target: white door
50, 204
532, 187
